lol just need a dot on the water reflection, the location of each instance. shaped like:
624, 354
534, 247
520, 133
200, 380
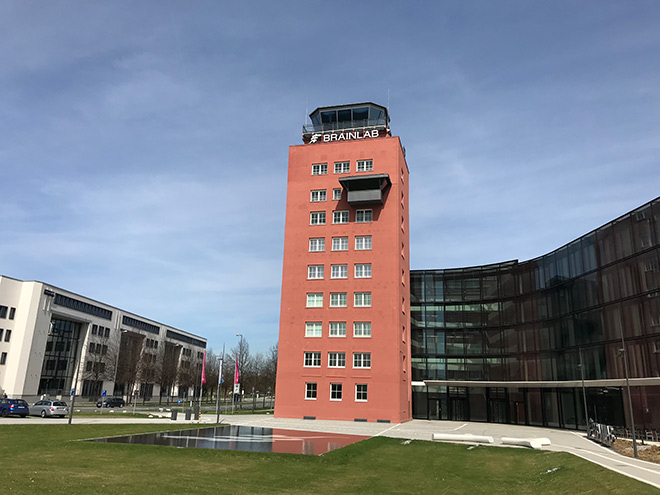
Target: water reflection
246, 438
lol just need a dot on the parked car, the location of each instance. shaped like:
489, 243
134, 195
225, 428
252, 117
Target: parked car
111, 402
46, 408
14, 406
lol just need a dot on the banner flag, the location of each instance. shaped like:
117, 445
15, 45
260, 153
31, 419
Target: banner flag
204, 369
236, 373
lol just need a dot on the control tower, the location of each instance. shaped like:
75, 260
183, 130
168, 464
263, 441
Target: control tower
344, 343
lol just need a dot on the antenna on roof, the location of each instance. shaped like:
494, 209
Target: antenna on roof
306, 110
388, 100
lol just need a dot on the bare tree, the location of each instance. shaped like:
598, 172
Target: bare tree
100, 365
130, 352
169, 370
242, 352
212, 372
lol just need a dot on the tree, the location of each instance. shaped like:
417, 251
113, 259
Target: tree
130, 352
100, 365
169, 370
242, 351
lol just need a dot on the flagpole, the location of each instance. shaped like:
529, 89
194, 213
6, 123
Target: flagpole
201, 387
217, 395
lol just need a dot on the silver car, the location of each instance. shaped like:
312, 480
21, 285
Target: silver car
46, 408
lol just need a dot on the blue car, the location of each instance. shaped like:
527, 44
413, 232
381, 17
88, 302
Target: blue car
14, 406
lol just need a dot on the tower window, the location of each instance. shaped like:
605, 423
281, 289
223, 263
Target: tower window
340, 243
316, 244
340, 217
365, 165
320, 169
318, 196
363, 270
363, 216
339, 271
317, 218
362, 242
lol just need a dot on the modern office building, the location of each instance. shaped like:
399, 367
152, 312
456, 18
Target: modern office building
53, 340
511, 342
541, 342
344, 322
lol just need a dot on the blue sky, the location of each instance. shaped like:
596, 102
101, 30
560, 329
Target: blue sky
144, 145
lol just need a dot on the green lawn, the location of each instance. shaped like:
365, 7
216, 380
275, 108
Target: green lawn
47, 459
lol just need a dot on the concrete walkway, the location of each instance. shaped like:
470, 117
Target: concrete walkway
562, 440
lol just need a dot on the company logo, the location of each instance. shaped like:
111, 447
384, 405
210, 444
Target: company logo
343, 136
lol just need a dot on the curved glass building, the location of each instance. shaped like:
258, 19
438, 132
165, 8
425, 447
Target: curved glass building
542, 342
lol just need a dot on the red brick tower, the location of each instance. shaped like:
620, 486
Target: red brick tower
344, 345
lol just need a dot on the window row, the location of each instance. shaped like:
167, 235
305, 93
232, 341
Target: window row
337, 359
343, 167
5, 309
339, 299
100, 331
317, 272
336, 391
7, 335
321, 195
337, 329
362, 243
97, 348
339, 217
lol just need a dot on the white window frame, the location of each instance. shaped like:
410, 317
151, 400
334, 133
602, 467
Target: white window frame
340, 216
312, 359
362, 299
364, 216
319, 169
338, 271
336, 389
313, 329
337, 329
316, 244
336, 194
311, 391
359, 393
360, 358
362, 329
362, 270
314, 300
317, 218
361, 241
337, 298
342, 167
338, 243
364, 166
336, 360
318, 195
315, 272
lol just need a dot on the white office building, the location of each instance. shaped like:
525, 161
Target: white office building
53, 341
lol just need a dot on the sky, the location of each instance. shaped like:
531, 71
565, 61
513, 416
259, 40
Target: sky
144, 145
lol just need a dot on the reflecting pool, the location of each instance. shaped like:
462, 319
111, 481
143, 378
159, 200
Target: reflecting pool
247, 438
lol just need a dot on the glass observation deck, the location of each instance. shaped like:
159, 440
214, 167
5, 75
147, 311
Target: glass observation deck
346, 117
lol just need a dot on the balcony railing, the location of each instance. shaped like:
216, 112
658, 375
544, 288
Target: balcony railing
340, 126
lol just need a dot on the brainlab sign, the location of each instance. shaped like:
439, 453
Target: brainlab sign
343, 136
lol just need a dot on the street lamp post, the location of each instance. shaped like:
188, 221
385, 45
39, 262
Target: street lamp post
75, 380
237, 386
584, 393
217, 395
622, 352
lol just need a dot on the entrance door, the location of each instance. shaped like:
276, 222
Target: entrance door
434, 408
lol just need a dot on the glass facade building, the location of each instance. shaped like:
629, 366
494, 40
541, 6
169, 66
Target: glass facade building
530, 342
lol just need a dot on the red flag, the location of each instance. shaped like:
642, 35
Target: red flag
236, 373
204, 368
